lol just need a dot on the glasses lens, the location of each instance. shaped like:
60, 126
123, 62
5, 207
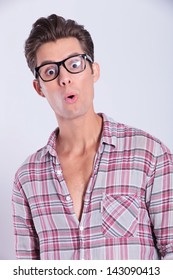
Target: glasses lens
48, 72
75, 64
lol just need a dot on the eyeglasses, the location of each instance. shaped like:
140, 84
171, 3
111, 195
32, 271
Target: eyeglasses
73, 64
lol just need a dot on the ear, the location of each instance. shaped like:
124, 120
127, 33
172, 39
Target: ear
37, 87
96, 71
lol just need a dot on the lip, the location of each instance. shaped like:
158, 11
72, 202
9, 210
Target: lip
70, 98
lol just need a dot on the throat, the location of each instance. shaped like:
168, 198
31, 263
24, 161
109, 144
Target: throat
78, 137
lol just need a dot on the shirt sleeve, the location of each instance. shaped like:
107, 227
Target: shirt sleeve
26, 239
161, 202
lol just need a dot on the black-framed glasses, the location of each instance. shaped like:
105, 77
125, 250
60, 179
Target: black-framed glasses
73, 64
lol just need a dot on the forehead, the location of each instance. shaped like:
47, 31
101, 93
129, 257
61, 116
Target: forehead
58, 50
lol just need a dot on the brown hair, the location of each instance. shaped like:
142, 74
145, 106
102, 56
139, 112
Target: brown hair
53, 28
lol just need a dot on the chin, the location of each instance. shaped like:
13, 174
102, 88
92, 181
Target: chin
72, 115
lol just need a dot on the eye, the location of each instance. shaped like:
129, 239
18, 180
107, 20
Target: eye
48, 71
51, 71
75, 64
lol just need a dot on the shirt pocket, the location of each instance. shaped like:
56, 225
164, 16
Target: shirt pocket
120, 215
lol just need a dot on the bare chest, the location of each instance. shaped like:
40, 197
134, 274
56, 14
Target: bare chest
77, 172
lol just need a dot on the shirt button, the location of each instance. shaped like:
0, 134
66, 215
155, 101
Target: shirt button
58, 172
68, 198
81, 228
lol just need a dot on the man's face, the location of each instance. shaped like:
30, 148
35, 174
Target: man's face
59, 92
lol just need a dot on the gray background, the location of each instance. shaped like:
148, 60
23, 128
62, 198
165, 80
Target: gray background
134, 47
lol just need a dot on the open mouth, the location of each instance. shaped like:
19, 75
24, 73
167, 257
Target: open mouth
71, 98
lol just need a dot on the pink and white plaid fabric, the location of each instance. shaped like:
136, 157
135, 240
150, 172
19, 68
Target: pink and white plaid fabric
128, 205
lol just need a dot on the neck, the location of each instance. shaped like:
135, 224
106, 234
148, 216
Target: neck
78, 135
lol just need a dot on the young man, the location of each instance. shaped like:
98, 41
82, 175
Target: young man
98, 189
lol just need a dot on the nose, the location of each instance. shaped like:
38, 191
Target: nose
64, 77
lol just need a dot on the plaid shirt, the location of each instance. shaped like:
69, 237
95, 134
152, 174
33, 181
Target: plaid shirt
127, 208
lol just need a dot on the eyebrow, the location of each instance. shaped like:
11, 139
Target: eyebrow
53, 61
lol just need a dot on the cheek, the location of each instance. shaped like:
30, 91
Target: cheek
88, 89
52, 97
86, 84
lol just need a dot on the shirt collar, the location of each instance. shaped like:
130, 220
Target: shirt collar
51, 144
108, 136
109, 130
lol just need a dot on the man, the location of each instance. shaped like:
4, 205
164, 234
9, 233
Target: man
98, 189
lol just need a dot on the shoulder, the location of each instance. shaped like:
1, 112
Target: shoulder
129, 137
38, 162
30, 165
